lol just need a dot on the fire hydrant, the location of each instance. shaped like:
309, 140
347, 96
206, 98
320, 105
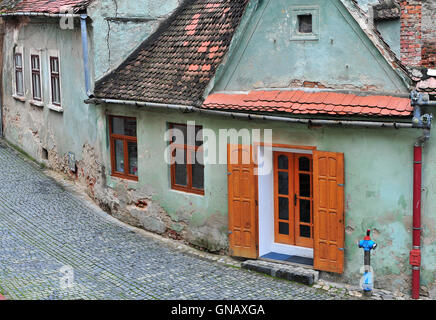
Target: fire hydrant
367, 282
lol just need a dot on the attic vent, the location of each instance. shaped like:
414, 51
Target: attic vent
305, 23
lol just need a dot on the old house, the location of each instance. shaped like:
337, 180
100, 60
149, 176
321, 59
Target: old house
329, 80
53, 52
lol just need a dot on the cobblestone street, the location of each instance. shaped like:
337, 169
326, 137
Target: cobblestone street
43, 228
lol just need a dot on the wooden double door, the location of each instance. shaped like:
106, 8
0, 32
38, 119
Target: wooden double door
293, 199
323, 229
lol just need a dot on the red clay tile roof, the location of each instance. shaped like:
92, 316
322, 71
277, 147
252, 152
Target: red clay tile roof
42, 6
428, 85
316, 103
176, 64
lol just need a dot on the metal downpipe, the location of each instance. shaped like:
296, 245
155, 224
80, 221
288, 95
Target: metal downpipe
84, 32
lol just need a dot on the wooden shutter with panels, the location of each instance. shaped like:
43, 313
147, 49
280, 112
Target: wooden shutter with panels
329, 230
242, 202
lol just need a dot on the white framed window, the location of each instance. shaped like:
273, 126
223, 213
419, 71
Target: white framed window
18, 85
305, 23
36, 76
55, 80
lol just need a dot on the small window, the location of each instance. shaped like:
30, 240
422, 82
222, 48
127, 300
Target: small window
187, 169
124, 147
19, 79
55, 81
305, 23
36, 77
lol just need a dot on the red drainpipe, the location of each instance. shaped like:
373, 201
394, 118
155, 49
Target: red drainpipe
415, 254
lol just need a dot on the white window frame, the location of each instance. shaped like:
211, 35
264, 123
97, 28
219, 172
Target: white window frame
19, 50
54, 54
35, 52
296, 11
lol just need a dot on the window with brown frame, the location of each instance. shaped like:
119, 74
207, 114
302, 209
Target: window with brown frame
124, 147
55, 81
36, 77
187, 168
19, 79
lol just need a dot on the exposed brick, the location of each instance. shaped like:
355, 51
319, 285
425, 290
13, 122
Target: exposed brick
45, 6
418, 33
411, 44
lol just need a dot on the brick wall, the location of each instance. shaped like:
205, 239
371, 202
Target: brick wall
429, 34
411, 33
418, 33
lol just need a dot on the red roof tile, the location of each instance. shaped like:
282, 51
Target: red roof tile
43, 6
428, 85
299, 102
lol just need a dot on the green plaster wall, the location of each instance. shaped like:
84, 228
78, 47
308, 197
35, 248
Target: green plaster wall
121, 26
378, 192
390, 31
110, 41
36, 127
342, 58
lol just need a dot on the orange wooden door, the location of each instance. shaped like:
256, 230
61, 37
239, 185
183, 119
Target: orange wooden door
329, 231
284, 224
242, 202
303, 200
293, 222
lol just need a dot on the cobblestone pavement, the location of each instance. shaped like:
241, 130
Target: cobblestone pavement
43, 228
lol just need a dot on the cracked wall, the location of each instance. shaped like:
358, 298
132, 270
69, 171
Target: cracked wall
378, 194
34, 127
341, 57
119, 27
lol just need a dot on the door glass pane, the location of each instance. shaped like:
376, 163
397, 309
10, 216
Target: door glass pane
284, 228
181, 172
305, 231
305, 211
283, 183
304, 164
119, 156
304, 185
283, 208
198, 171
133, 158
283, 162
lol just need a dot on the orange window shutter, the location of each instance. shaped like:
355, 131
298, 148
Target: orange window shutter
242, 202
329, 219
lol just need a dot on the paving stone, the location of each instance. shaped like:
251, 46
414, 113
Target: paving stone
44, 227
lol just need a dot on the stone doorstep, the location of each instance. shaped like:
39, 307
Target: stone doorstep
307, 276
283, 271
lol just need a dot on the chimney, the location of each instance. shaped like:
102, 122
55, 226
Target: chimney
429, 34
411, 32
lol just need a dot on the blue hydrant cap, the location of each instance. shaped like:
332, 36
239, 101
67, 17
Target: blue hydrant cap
367, 245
